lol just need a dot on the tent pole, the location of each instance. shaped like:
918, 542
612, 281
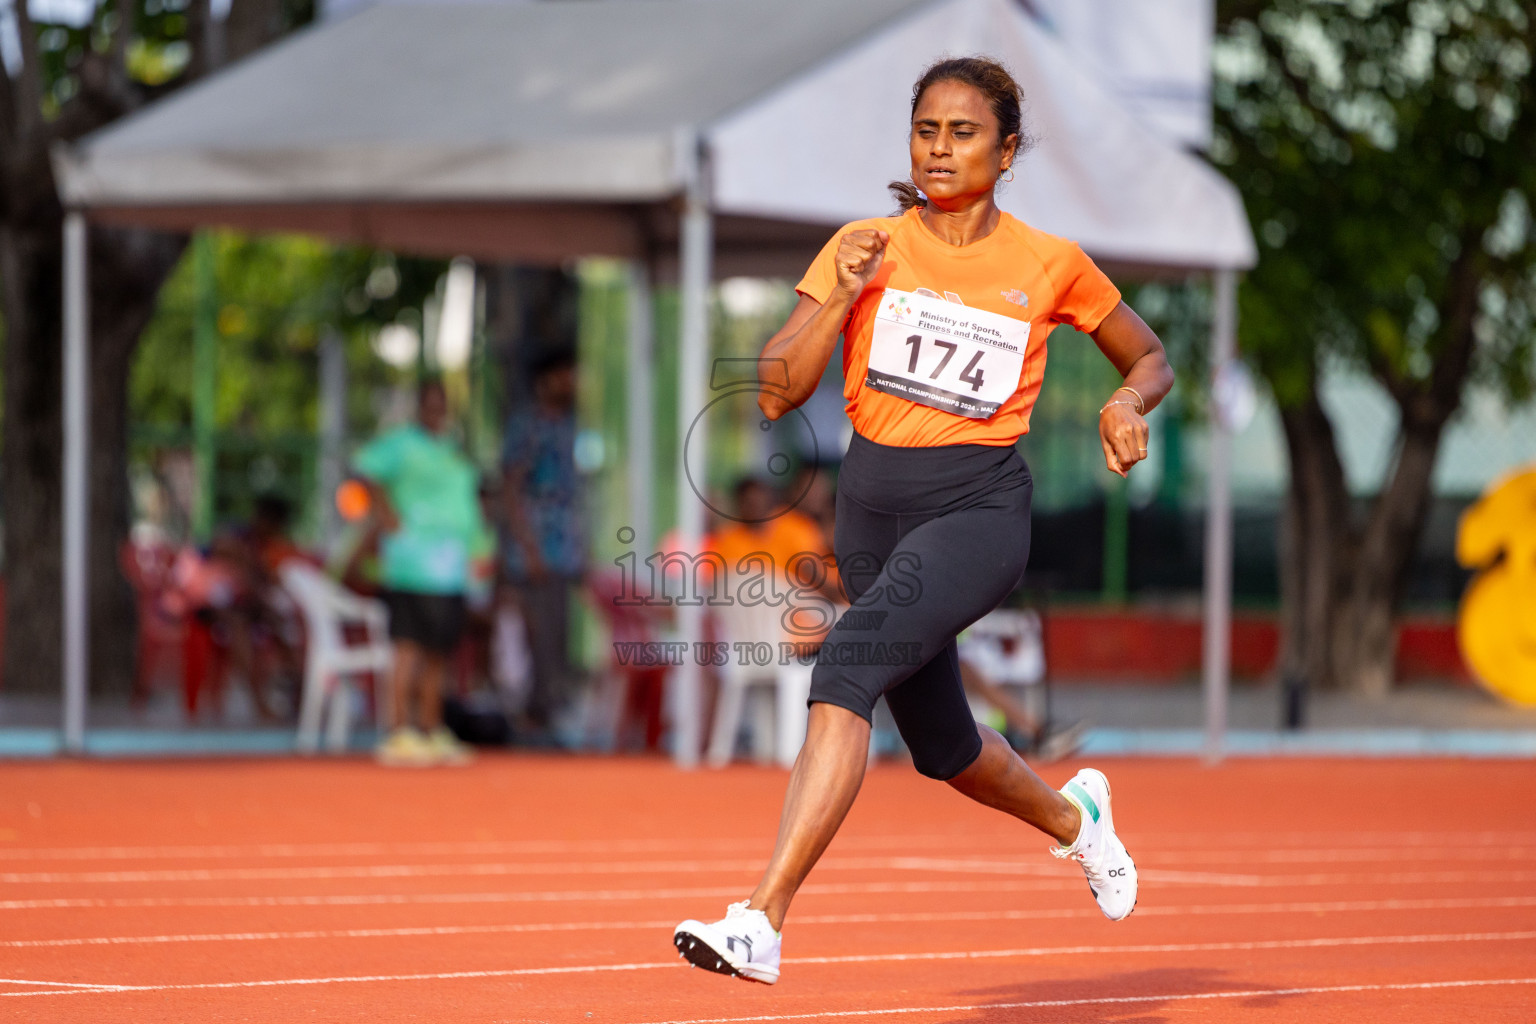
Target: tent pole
77, 429
640, 407
1218, 529
697, 245
333, 432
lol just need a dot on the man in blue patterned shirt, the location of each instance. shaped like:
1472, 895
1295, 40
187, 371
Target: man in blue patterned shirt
546, 551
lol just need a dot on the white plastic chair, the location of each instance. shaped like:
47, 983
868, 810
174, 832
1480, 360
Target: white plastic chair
329, 660
778, 728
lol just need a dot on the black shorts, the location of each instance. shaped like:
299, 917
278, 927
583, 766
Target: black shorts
928, 540
434, 622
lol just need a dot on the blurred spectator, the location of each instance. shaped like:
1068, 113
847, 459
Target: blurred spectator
266, 544
813, 495
223, 595
424, 491
797, 549
1000, 656
545, 555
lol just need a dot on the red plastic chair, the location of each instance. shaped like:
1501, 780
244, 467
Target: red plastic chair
644, 686
162, 619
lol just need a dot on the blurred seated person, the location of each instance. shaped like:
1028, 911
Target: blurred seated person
228, 588
795, 550
814, 495
989, 662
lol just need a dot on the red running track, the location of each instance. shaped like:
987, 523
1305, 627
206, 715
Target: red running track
545, 889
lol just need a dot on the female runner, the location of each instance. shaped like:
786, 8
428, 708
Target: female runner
945, 311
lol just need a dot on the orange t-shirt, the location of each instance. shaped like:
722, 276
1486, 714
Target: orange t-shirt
785, 538
1016, 272
781, 538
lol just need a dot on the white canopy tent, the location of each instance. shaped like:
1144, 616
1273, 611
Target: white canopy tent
735, 134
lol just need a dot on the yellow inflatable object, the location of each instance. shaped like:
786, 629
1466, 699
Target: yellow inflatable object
1497, 624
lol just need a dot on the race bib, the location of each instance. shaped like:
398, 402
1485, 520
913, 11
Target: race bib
945, 355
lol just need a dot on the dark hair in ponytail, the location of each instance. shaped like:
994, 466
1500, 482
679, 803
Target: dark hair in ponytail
989, 78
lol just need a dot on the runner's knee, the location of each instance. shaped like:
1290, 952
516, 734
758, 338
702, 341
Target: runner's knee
944, 756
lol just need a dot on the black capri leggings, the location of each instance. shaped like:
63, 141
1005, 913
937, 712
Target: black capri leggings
928, 540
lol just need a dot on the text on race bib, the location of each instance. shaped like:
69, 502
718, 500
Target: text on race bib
944, 355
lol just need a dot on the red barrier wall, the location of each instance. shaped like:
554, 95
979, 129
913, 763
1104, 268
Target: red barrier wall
1136, 645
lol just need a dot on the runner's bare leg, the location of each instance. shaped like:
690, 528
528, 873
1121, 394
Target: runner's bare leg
826, 777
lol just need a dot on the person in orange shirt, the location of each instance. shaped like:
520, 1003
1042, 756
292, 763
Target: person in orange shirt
792, 546
945, 312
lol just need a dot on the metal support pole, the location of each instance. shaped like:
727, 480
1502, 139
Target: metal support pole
333, 431
692, 371
640, 408
1218, 529
77, 433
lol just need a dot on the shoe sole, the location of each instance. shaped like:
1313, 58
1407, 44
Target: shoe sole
1109, 812
701, 954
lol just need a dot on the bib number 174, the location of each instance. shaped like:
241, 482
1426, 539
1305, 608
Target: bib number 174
945, 355
972, 374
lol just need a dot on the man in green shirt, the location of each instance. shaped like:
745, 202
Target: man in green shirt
425, 492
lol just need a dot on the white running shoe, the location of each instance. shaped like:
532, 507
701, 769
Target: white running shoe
744, 944
1110, 870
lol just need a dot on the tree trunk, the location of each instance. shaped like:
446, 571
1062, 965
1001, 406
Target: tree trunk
31, 452
126, 269
1316, 548
1341, 581
1367, 639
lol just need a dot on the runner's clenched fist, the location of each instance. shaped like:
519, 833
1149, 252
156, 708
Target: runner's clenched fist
1123, 433
858, 259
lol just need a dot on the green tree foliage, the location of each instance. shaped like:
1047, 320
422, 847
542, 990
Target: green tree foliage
1386, 151
276, 295
1387, 155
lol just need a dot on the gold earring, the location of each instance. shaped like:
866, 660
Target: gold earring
1008, 172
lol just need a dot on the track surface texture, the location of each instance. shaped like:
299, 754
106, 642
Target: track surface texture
545, 889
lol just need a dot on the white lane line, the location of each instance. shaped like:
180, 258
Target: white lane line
449, 849
601, 895
353, 979
1036, 951
1341, 878
498, 868
1168, 947
517, 868
1271, 840
1349, 906
52, 984
954, 865
574, 896
1167, 997
1343, 856
1182, 843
